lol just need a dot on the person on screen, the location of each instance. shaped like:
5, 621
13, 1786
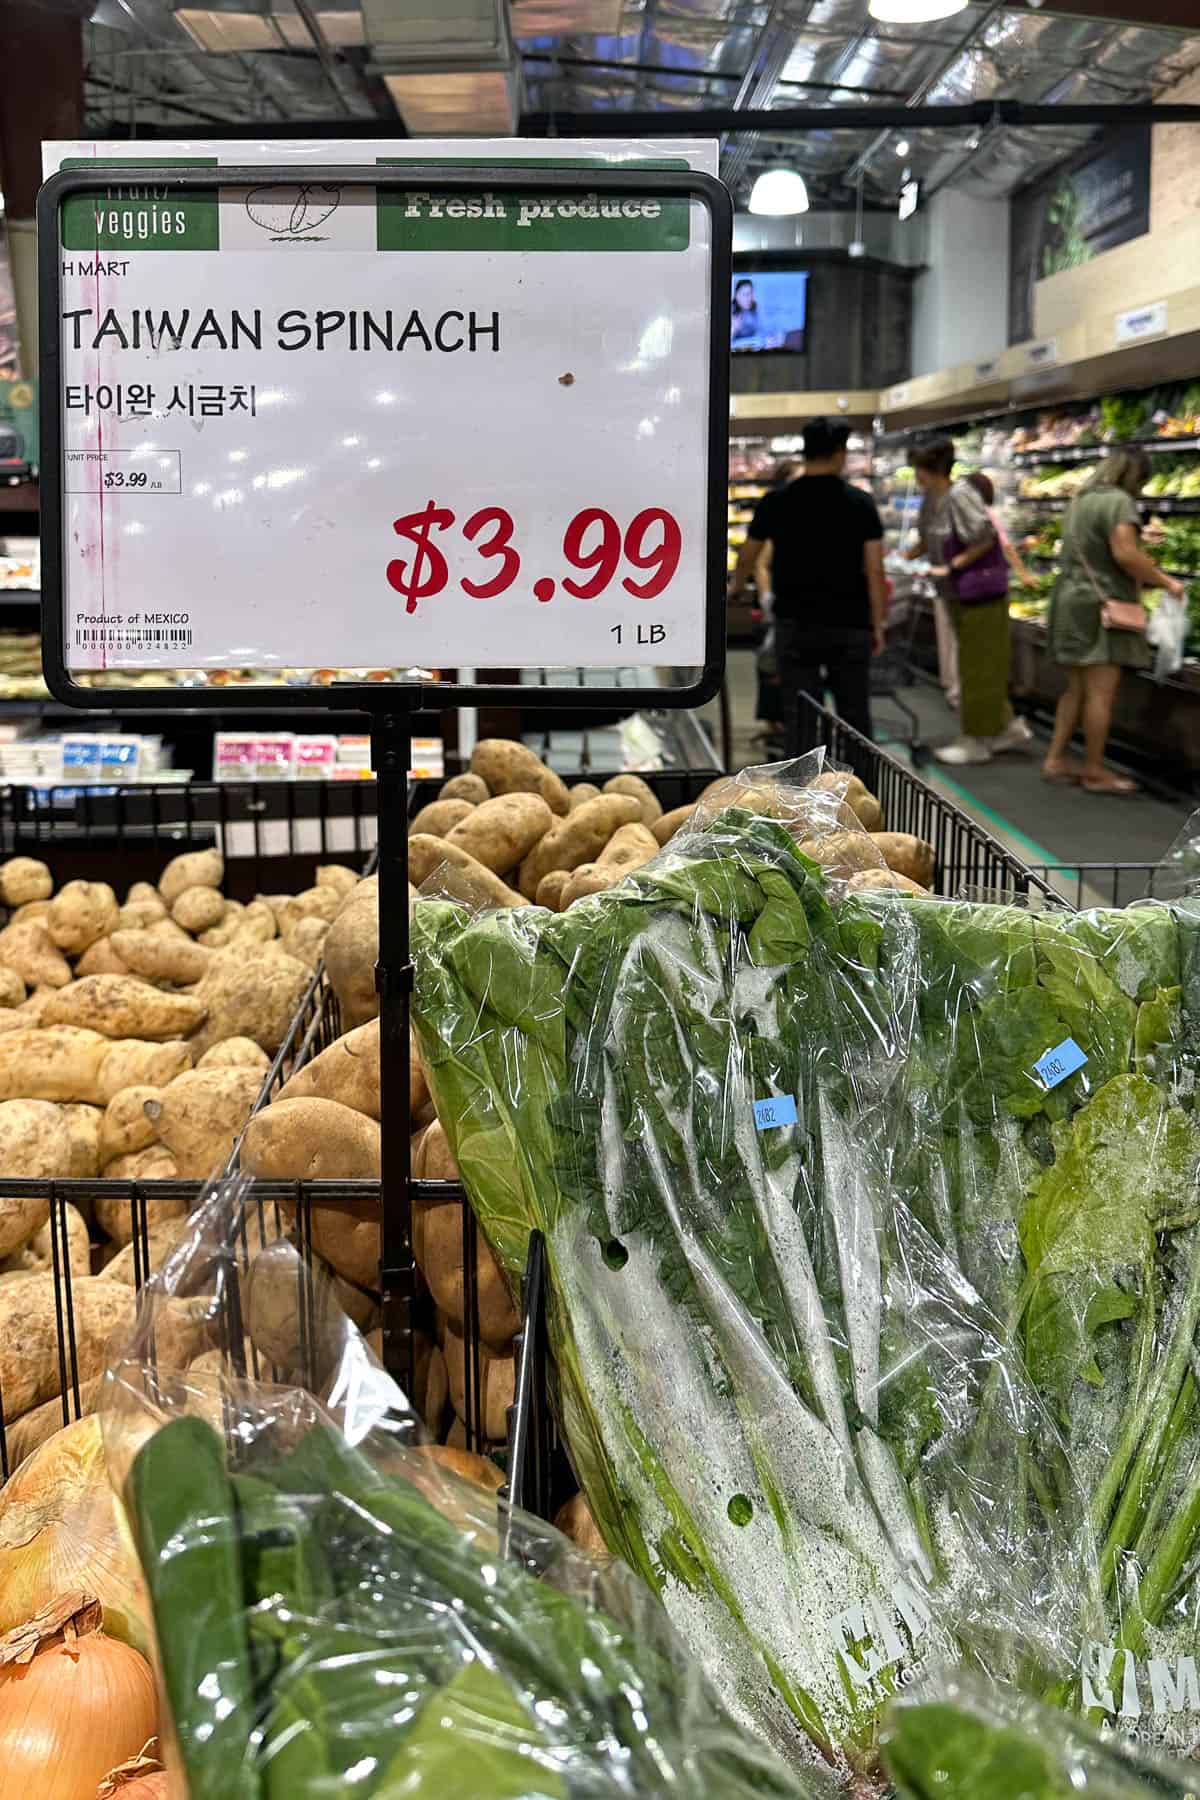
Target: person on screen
743, 312
827, 575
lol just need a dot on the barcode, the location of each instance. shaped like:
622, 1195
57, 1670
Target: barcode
130, 639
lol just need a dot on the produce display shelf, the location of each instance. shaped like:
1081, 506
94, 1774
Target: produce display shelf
1065, 453
1152, 502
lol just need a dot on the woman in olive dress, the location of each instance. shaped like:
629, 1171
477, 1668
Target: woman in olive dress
1101, 559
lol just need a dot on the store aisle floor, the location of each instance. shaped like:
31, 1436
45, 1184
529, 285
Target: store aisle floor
1044, 824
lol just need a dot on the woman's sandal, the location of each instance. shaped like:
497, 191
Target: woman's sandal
1109, 784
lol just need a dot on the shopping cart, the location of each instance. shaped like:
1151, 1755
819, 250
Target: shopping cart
892, 670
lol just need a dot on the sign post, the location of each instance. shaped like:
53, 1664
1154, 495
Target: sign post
484, 425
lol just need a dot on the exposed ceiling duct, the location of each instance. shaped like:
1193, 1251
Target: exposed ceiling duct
449, 65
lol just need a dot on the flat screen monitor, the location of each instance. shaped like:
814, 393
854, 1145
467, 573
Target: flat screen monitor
769, 310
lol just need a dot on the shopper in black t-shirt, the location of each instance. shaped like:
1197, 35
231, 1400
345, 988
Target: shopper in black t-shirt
827, 574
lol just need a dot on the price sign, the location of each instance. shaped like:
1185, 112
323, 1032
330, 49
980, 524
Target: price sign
390, 417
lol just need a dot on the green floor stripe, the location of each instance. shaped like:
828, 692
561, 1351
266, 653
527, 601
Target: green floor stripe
1031, 851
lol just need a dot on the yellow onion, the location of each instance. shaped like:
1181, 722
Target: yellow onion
141, 1778
73, 1703
62, 1529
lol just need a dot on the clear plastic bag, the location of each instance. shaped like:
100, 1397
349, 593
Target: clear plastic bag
959, 1737
1166, 633
871, 1223
336, 1613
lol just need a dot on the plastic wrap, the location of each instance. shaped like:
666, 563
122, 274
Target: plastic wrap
337, 1614
870, 1221
959, 1737
691, 1085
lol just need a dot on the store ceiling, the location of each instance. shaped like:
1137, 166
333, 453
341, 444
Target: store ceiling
257, 63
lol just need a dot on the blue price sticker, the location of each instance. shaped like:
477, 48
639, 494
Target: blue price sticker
1065, 1059
779, 1110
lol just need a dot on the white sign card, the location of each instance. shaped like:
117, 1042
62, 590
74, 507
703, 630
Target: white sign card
312, 426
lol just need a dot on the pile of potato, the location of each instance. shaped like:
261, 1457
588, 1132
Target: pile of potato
511, 833
134, 1038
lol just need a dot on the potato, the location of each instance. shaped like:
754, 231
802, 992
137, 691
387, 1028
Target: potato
550, 889
279, 1290
311, 1140
854, 794
28, 948
198, 909
35, 1142
510, 768
438, 1249
437, 1158
348, 1071
466, 877
906, 854
249, 992
102, 958
574, 1519
32, 909
161, 956
83, 1137
199, 1116
253, 924
577, 839
350, 949
125, 1125
306, 940
499, 833
236, 1053
441, 816
883, 880
497, 1385
135, 915
132, 1062
38, 1255
217, 936
32, 1429
122, 1006
347, 1238
144, 890
30, 1372
316, 902
80, 913
51, 1063
195, 868
843, 853
465, 787
12, 988
628, 848
641, 791
161, 1238
664, 829
22, 879
115, 1215
589, 878
480, 1470
337, 876
582, 790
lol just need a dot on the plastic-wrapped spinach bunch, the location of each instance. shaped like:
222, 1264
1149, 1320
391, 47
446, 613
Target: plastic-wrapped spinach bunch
688, 1085
336, 1614
961, 1737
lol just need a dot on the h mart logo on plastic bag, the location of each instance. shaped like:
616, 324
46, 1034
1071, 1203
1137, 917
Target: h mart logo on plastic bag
866, 1633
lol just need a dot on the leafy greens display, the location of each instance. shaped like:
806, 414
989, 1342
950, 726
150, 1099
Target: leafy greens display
909, 1376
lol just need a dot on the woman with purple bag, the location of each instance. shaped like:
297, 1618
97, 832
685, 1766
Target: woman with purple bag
957, 533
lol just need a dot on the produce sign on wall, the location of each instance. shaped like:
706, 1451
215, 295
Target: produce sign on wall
1074, 214
317, 423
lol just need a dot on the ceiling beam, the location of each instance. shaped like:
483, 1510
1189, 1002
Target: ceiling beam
710, 121
1169, 15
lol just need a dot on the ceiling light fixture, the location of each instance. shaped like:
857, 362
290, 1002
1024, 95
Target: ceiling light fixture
914, 12
778, 193
902, 147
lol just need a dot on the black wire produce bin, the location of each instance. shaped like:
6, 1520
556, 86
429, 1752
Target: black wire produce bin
162, 821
